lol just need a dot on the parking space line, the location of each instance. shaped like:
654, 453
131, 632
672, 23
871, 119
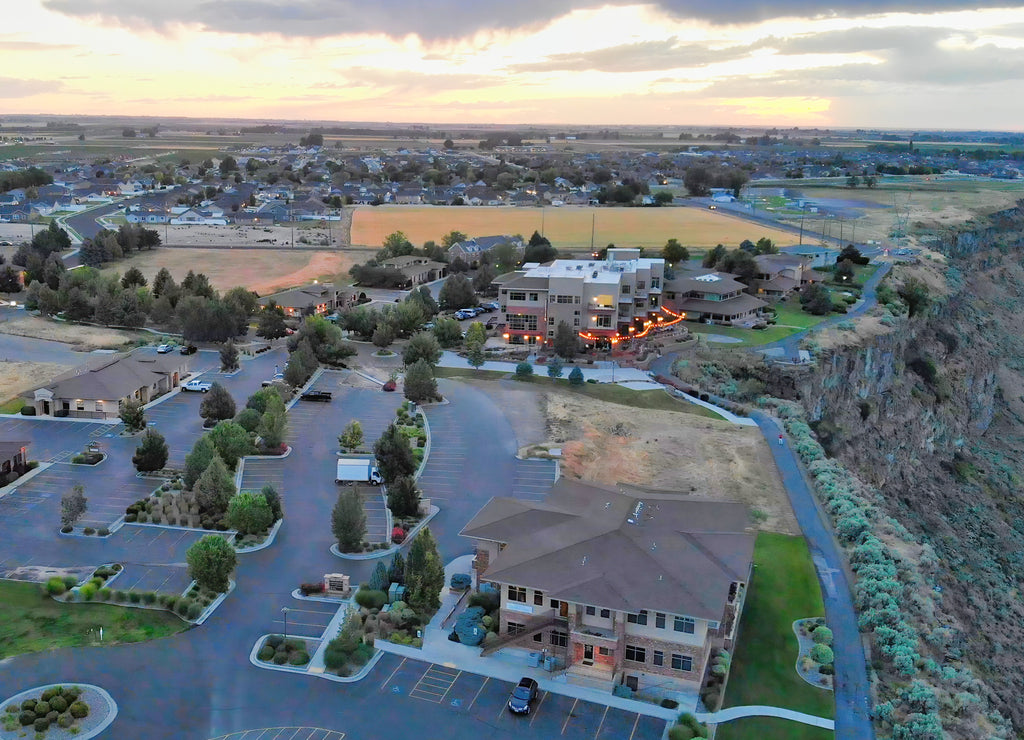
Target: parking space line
479, 691
635, 723
397, 668
568, 716
539, 705
601, 723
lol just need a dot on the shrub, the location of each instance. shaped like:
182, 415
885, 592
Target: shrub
28, 705
299, 657
488, 600
70, 581
59, 703
311, 588
576, 376
194, 610
822, 654
67, 529
134, 596
370, 599
89, 531
105, 594
681, 732
55, 586
42, 708
524, 370
669, 703
70, 692
274, 641
88, 591
280, 658
149, 597
120, 596
827, 669
26, 718
822, 636
79, 710
266, 653
460, 581
42, 724
183, 606
65, 720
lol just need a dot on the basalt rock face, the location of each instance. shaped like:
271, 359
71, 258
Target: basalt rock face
932, 415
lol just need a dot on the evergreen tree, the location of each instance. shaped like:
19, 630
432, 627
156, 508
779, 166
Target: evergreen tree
231, 442
198, 460
228, 357
152, 454
211, 560
424, 574
394, 455
217, 405
475, 354
565, 343
457, 292
270, 324
396, 571
348, 520
351, 437
215, 488
379, 581
422, 346
273, 501
420, 384
273, 426
133, 416
403, 497
556, 367
576, 376
73, 506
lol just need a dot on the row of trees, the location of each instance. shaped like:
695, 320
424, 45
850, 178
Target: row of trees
109, 245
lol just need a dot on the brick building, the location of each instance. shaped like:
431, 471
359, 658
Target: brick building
618, 584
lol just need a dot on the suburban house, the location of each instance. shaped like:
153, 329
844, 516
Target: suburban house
470, 250
602, 300
13, 458
712, 297
97, 389
616, 583
778, 275
309, 300
417, 270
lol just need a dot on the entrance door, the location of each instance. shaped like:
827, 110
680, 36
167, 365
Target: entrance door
563, 608
588, 652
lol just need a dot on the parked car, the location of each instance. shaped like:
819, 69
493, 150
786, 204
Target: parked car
316, 396
197, 386
163, 349
188, 349
523, 696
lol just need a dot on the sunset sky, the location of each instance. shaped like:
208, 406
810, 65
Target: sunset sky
914, 64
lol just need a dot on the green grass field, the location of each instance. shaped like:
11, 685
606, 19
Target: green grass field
784, 588
31, 622
747, 337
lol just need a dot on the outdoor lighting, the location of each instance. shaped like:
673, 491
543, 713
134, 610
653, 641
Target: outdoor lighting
504, 336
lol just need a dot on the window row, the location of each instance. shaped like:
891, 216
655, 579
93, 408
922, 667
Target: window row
679, 624
637, 654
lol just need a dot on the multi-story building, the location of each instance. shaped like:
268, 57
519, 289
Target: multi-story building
600, 299
619, 584
711, 296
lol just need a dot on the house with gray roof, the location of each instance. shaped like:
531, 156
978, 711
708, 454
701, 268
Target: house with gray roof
98, 388
309, 300
711, 296
470, 250
619, 583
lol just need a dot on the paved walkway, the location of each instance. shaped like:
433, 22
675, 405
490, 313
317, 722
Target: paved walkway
602, 372
727, 715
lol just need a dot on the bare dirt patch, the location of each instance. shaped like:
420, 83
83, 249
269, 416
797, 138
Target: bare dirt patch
82, 338
671, 451
18, 377
311, 233
262, 270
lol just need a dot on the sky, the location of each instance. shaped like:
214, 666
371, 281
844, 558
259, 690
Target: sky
939, 64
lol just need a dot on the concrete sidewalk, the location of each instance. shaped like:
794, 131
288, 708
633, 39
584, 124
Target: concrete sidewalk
602, 372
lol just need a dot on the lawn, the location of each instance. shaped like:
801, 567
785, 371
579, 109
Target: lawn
31, 622
784, 588
13, 406
789, 313
747, 337
567, 227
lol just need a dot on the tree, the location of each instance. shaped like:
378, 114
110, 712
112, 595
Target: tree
273, 499
816, 299
9, 281
420, 384
273, 425
715, 256
198, 460
396, 244
674, 252
766, 246
524, 370
403, 497
539, 249
852, 254
133, 277
228, 357
261, 399
383, 335
556, 367
133, 415
565, 342
476, 333
852, 181
228, 165
163, 283
448, 144
915, 294
740, 263
452, 238
483, 278
697, 181
152, 453
457, 292
422, 298
576, 376
215, 488
217, 405
396, 571
231, 442
423, 346
394, 455
448, 332
270, 323
475, 354
663, 198
351, 437
249, 513
348, 520
424, 574
844, 272
211, 561
73, 506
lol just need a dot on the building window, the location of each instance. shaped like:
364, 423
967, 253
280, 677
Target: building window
575, 313
538, 598
654, 301
636, 654
555, 603
534, 296
80, 405
517, 295
606, 613
603, 322
655, 283
713, 625
564, 299
603, 651
659, 658
576, 299
517, 593
684, 624
539, 637
591, 611
659, 620
639, 618
625, 289
522, 322
640, 303
559, 638
515, 628
576, 322
682, 662
641, 284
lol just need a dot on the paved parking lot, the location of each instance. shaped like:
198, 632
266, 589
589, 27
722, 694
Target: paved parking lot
284, 733
305, 618
484, 700
258, 473
171, 579
533, 480
439, 481
51, 439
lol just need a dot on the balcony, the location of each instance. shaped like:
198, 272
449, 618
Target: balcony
601, 307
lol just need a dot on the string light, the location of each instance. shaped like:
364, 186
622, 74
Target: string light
648, 325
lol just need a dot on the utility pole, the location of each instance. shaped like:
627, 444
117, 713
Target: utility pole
593, 228
802, 213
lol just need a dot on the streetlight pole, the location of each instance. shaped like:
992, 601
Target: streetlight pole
284, 610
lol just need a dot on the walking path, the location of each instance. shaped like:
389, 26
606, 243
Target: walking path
728, 715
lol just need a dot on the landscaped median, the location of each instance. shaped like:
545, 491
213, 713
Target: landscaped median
58, 711
783, 589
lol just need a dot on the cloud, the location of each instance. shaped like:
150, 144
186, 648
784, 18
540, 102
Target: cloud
404, 81
644, 56
449, 19
14, 45
16, 88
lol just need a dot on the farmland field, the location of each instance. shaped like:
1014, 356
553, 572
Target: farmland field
262, 270
567, 227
